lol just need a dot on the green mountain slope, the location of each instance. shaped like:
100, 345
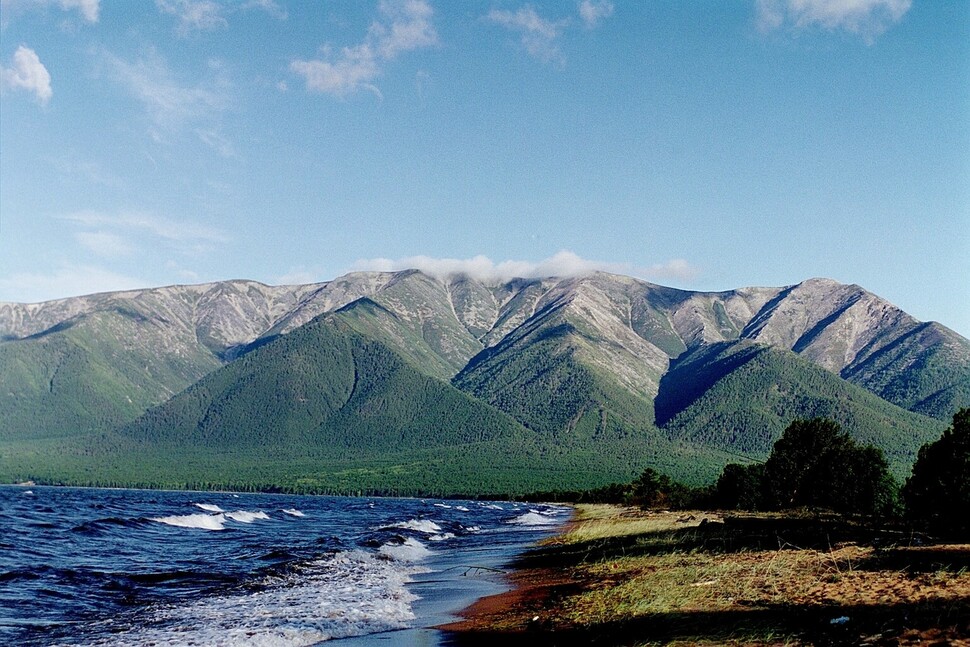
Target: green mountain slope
924, 369
326, 408
739, 396
94, 372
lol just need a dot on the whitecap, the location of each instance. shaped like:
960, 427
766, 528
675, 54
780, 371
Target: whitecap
419, 525
244, 516
411, 550
442, 537
209, 507
461, 508
442, 505
292, 512
533, 518
491, 506
201, 521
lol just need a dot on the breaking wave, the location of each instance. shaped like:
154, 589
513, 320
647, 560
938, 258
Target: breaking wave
349, 593
536, 518
419, 525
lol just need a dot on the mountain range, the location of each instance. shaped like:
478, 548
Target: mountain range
407, 383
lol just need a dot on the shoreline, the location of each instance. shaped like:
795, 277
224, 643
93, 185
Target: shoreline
510, 615
618, 575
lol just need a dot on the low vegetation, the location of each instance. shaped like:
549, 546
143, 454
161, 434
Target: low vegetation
830, 559
629, 576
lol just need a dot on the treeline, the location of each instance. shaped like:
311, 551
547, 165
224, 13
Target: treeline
816, 465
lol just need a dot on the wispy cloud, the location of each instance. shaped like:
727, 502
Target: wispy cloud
68, 280
562, 264
269, 6
404, 26
172, 105
867, 18
179, 231
169, 102
539, 35
28, 73
72, 165
216, 141
88, 9
593, 11
105, 243
194, 15
129, 234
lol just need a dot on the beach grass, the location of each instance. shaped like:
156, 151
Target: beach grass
625, 576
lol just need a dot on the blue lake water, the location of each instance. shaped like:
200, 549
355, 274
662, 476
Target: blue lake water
141, 567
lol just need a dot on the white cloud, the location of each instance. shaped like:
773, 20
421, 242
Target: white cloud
29, 74
168, 102
405, 26
867, 18
561, 264
353, 69
592, 11
66, 281
194, 15
539, 36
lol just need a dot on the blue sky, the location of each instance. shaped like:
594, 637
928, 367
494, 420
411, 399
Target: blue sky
703, 145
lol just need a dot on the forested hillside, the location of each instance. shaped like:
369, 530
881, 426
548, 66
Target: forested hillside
394, 380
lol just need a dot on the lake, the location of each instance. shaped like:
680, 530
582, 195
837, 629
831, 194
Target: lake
142, 567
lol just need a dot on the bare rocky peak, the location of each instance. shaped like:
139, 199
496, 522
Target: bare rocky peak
222, 314
828, 322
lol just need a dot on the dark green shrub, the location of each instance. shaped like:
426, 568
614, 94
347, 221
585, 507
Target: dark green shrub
938, 492
740, 487
815, 464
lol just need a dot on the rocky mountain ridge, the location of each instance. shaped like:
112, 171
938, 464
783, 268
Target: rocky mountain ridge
637, 327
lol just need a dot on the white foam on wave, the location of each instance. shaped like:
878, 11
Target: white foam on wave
210, 521
293, 512
491, 506
419, 525
411, 550
461, 508
245, 516
442, 505
200, 521
534, 518
209, 507
442, 537
345, 594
